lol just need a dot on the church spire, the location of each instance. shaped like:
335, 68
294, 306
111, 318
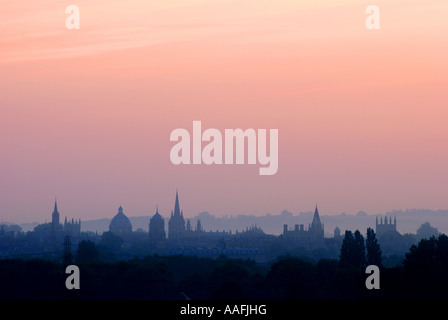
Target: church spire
316, 218
176, 206
55, 215
55, 205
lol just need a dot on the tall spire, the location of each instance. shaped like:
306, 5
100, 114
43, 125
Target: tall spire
55, 215
316, 219
55, 205
176, 205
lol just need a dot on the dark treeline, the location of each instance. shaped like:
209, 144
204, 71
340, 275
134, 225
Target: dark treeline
422, 275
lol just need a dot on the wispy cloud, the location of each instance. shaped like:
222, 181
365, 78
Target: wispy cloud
34, 30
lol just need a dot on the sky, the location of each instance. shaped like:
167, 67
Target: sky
86, 115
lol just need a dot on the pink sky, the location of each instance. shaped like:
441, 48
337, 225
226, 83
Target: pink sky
86, 114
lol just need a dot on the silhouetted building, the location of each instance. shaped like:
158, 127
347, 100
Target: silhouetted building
312, 237
316, 228
337, 232
120, 224
157, 227
252, 237
191, 233
55, 225
176, 225
384, 228
334, 244
57, 230
390, 240
72, 228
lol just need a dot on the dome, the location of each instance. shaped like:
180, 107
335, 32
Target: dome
157, 215
120, 224
157, 227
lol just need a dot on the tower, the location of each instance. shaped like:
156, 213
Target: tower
55, 216
176, 225
316, 228
72, 228
55, 226
386, 227
188, 225
157, 227
337, 232
199, 226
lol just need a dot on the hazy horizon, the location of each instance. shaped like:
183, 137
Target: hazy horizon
166, 214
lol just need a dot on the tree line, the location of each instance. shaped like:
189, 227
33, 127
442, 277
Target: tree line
422, 275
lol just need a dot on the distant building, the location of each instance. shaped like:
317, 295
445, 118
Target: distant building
386, 228
72, 228
253, 237
312, 237
390, 240
55, 225
120, 224
337, 232
51, 234
335, 242
176, 225
157, 227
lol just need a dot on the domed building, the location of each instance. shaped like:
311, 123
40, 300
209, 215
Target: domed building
337, 232
157, 227
120, 224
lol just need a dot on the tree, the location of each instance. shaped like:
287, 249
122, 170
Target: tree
373, 249
353, 250
428, 255
345, 258
359, 250
426, 266
291, 278
87, 252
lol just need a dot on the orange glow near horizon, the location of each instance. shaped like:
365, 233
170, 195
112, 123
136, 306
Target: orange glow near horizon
86, 114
